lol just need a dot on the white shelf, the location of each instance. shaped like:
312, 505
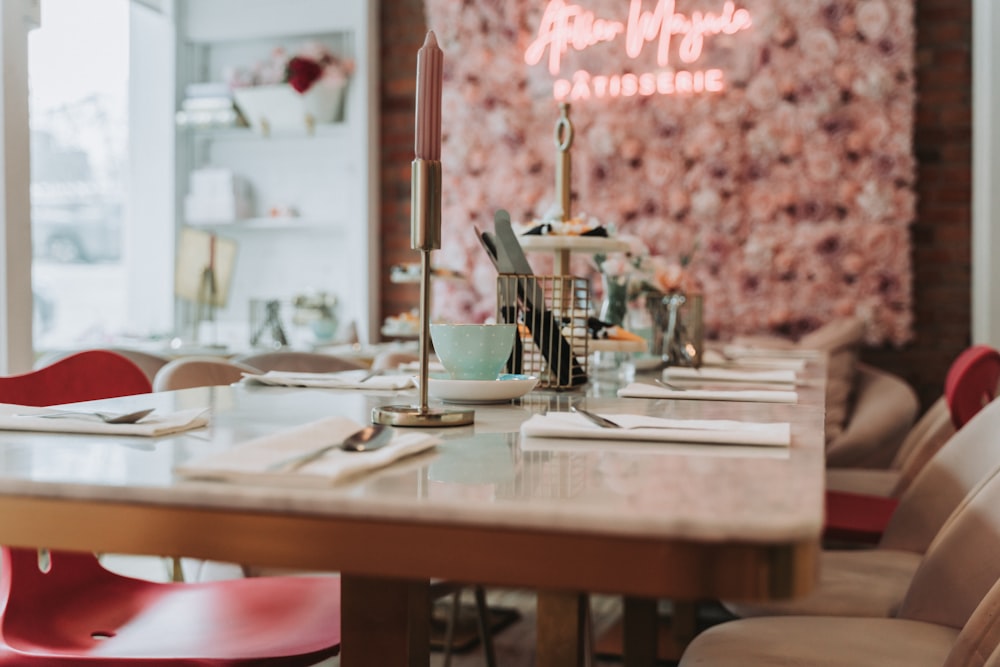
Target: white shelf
266, 223
241, 133
235, 20
325, 171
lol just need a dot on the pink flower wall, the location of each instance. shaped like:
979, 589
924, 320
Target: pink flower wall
780, 151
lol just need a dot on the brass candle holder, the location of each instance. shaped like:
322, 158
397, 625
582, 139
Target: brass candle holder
425, 236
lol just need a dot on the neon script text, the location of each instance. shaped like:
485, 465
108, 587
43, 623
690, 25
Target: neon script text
565, 26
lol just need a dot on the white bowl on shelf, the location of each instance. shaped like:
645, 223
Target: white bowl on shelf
280, 107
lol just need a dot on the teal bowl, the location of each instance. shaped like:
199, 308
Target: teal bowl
473, 351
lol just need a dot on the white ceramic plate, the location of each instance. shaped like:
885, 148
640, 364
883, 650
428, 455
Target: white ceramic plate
501, 390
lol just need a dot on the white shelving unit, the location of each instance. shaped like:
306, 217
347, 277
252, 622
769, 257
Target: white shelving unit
327, 172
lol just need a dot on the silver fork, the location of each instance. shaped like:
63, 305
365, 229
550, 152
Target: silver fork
370, 375
603, 422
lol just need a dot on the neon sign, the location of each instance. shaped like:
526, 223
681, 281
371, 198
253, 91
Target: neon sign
566, 27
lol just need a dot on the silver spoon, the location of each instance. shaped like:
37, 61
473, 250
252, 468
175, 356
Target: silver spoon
367, 439
667, 385
106, 417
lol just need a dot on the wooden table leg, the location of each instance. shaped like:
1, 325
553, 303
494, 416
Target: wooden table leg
384, 622
640, 625
560, 624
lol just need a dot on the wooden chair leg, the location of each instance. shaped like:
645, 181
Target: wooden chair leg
175, 570
449, 631
485, 630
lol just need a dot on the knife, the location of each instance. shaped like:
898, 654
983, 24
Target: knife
508, 305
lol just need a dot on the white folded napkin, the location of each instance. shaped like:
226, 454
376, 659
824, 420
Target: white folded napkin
250, 462
728, 375
156, 424
715, 358
340, 380
414, 367
644, 390
740, 351
658, 429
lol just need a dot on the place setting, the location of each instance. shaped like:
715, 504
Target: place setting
581, 423
320, 453
716, 374
363, 379
717, 391
147, 422
593, 430
722, 359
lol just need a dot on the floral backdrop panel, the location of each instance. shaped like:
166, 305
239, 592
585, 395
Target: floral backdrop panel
768, 141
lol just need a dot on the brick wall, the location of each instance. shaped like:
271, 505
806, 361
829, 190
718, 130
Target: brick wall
942, 141
942, 232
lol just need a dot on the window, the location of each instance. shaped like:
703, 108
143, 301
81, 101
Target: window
78, 78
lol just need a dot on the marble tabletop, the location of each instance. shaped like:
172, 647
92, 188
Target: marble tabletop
480, 474
639, 519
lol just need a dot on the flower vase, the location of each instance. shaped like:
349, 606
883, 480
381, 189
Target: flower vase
678, 331
615, 303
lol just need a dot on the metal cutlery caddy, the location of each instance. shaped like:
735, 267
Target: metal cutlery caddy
552, 337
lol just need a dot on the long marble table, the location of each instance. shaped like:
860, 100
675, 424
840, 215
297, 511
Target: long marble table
642, 521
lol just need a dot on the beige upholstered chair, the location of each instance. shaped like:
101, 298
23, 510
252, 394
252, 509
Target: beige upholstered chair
926, 437
868, 411
188, 372
148, 362
975, 642
872, 582
294, 361
948, 616
881, 411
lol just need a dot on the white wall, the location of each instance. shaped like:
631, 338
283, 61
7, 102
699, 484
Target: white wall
149, 235
16, 355
986, 174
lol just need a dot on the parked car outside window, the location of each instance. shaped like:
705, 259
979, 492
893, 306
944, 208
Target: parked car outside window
77, 231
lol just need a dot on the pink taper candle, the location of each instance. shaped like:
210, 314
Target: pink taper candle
428, 123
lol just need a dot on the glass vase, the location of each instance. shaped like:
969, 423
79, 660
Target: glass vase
678, 331
615, 304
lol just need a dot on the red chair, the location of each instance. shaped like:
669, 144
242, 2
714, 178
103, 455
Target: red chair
82, 376
76, 612
971, 383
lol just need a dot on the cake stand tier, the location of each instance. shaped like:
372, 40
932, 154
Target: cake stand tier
563, 246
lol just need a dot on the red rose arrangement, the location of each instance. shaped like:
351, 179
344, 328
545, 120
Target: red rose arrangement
313, 63
302, 73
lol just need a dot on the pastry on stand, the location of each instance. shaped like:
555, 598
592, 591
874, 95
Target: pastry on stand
561, 233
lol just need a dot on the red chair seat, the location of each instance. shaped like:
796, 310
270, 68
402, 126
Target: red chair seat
856, 518
79, 613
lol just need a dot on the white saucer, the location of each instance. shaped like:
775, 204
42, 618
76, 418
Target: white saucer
501, 390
